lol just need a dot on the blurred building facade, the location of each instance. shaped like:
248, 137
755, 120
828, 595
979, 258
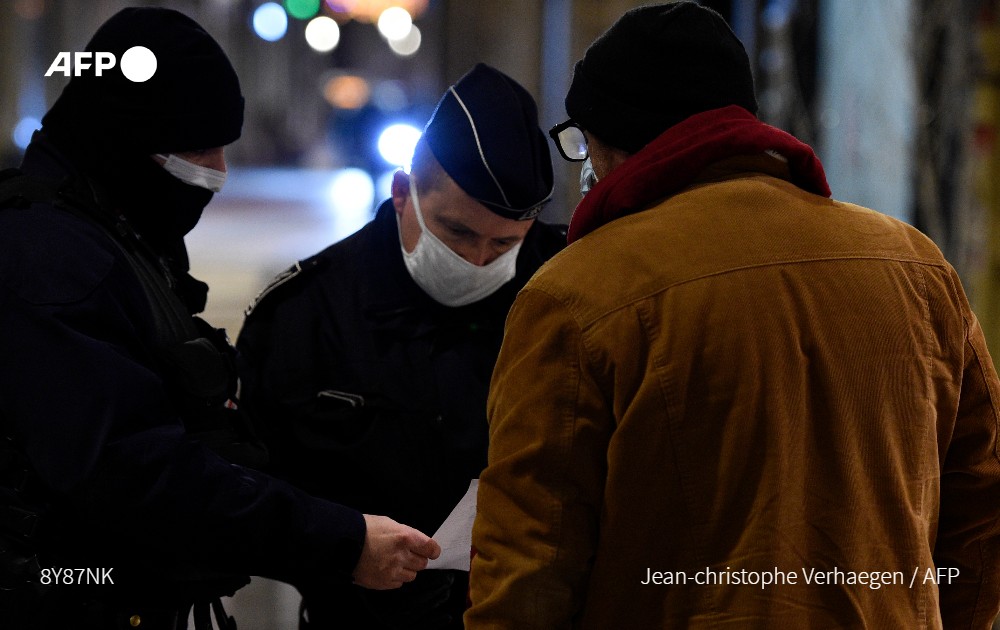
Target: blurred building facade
892, 94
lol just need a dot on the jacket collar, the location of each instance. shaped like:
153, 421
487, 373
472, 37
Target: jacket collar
680, 156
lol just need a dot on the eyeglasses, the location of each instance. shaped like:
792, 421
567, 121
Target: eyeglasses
570, 141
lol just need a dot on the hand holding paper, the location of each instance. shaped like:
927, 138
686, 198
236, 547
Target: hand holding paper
455, 534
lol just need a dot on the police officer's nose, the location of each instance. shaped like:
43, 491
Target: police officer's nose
480, 255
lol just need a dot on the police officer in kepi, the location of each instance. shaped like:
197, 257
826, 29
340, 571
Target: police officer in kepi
127, 493
368, 364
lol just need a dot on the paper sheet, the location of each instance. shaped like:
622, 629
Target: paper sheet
455, 534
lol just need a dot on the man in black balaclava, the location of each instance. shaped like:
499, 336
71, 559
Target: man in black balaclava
109, 126
120, 450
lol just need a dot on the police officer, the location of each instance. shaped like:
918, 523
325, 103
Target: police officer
115, 403
368, 364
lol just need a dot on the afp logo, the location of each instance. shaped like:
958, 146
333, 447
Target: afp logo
138, 63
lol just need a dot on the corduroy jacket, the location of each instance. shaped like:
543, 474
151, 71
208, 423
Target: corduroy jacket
747, 406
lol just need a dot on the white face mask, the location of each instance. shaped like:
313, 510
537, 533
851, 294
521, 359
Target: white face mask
446, 276
193, 174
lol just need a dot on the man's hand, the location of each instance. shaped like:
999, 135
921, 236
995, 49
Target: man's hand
392, 555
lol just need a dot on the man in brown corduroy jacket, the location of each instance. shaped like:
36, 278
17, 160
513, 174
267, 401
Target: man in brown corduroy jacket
731, 402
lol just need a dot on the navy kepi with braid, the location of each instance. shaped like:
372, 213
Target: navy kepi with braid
485, 134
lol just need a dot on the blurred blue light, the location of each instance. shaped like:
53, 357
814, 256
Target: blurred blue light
777, 14
24, 129
270, 22
383, 185
352, 191
352, 195
396, 144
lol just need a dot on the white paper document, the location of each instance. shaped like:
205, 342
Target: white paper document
455, 534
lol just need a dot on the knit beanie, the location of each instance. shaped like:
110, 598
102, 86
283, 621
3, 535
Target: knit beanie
191, 102
654, 67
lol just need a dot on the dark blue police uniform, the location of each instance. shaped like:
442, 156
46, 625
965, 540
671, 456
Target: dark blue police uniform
370, 393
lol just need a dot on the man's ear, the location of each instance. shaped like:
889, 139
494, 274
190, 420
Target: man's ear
400, 190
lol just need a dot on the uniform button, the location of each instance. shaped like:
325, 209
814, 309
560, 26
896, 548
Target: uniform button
135, 621
439, 420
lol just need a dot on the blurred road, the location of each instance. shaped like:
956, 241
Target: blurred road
261, 223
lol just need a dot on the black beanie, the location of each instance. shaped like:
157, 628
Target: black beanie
653, 68
191, 102
484, 133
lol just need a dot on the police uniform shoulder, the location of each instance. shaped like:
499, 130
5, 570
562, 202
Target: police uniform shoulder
560, 229
286, 282
551, 237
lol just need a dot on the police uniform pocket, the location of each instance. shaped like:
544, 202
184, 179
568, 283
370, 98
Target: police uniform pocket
353, 400
341, 419
358, 450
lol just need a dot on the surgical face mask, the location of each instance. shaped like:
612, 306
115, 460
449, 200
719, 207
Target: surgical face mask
587, 177
446, 276
193, 174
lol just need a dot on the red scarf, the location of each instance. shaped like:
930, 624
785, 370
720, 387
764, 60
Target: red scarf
674, 160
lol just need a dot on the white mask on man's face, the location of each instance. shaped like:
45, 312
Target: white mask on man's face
193, 174
446, 276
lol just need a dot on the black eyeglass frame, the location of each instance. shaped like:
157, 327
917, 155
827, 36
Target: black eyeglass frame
556, 131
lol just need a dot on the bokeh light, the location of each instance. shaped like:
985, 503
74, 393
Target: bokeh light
352, 195
370, 10
396, 144
302, 9
347, 91
408, 45
24, 129
383, 185
270, 22
390, 96
395, 23
322, 34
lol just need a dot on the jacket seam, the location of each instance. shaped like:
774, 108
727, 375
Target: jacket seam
568, 424
928, 330
977, 608
586, 324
